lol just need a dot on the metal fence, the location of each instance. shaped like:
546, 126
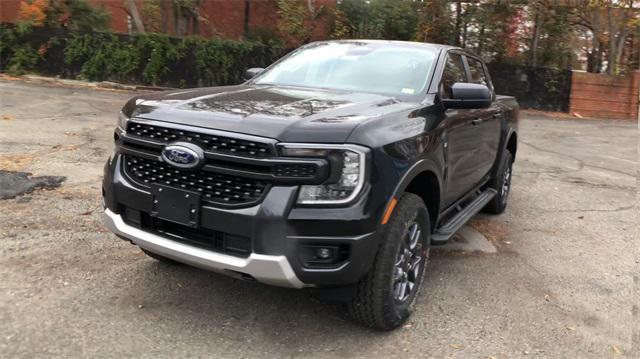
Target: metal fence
535, 87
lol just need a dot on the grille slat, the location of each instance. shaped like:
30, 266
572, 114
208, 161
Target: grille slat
294, 170
214, 187
208, 142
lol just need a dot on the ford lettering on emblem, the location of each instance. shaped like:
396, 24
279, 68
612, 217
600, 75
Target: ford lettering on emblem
183, 155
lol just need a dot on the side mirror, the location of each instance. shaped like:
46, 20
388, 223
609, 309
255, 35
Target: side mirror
468, 95
253, 72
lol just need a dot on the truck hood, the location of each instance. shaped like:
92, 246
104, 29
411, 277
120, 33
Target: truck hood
288, 114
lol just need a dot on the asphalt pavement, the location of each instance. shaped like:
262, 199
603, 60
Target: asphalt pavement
562, 284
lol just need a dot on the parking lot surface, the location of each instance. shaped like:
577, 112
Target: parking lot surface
562, 284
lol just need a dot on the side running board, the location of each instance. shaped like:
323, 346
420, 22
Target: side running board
448, 229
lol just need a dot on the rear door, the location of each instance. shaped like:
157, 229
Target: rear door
487, 120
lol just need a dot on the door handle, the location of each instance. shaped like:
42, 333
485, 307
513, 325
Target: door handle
476, 122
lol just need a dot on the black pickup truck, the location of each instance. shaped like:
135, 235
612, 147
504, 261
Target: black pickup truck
336, 168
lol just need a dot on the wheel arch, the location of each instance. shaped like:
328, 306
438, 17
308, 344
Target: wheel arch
423, 180
512, 143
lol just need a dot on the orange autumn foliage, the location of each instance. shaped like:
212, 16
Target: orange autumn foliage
33, 11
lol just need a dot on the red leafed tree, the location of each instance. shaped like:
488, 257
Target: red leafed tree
34, 11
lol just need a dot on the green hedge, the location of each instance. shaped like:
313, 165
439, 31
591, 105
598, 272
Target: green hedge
151, 59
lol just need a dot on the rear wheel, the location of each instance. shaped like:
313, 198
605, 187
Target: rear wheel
502, 184
385, 296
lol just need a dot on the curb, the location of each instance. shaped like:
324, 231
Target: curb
107, 85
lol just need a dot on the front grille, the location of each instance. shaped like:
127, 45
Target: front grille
208, 142
294, 170
214, 187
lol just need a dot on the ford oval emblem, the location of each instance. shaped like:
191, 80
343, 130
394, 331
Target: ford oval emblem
183, 155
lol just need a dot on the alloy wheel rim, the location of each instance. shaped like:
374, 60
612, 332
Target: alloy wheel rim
506, 183
408, 265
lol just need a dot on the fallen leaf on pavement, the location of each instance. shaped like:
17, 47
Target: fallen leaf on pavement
456, 346
7, 117
616, 350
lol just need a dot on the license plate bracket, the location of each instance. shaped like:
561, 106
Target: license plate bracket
175, 205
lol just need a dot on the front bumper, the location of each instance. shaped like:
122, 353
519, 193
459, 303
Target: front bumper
274, 270
278, 232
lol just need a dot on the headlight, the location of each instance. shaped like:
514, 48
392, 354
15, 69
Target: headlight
122, 121
347, 174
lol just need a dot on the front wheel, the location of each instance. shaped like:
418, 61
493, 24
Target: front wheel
385, 296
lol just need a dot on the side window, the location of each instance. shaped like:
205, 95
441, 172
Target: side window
453, 72
477, 72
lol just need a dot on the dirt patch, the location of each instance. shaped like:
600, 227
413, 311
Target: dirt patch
13, 184
495, 232
16, 162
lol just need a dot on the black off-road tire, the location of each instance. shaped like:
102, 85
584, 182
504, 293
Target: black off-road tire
375, 304
159, 258
498, 204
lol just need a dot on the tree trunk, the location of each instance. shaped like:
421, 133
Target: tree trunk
612, 66
599, 54
622, 38
135, 15
533, 51
458, 23
464, 34
481, 40
597, 47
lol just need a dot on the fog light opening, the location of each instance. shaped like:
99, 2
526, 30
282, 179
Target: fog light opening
324, 253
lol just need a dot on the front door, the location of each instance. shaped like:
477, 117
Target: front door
462, 134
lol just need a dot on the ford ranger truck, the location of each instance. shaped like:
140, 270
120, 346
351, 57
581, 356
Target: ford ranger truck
336, 168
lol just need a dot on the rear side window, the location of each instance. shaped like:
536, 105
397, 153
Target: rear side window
477, 72
453, 72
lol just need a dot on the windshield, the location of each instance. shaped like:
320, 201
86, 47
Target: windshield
389, 69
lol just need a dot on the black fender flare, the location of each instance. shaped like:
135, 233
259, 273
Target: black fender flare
503, 147
512, 132
419, 167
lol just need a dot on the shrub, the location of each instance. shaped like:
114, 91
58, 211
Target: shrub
143, 58
17, 54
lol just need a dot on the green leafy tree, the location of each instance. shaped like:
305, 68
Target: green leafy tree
291, 22
340, 26
77, 15
380, 19
16, 53
436, 23
298, 19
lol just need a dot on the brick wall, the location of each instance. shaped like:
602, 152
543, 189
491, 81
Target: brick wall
605, 96
224, 18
